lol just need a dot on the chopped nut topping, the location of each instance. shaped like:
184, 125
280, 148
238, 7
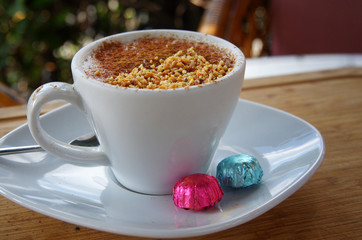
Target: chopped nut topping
175, 67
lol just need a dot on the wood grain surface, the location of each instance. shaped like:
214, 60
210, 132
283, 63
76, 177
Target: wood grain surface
328, 206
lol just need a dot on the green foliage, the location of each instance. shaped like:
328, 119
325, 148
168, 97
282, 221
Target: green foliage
39, 37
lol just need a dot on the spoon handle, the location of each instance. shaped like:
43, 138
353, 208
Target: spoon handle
87, 140
22, 149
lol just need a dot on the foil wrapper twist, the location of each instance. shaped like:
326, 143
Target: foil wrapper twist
239, 171
197, 192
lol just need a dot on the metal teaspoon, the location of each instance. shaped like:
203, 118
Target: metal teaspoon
88, 140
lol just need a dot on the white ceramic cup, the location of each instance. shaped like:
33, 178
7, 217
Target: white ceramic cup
149, 138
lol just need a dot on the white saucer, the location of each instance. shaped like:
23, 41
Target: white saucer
289, 150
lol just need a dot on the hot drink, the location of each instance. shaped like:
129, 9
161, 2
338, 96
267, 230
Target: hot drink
148, 138
158, 63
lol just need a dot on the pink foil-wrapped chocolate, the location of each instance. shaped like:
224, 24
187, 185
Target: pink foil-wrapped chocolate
197, 192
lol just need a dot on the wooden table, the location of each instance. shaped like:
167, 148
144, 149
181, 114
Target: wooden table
329, 206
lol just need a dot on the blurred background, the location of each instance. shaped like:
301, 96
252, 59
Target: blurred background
38, 38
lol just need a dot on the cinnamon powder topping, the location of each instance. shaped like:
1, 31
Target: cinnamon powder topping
162, 63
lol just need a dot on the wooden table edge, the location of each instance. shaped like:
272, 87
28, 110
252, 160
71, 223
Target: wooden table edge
350, 72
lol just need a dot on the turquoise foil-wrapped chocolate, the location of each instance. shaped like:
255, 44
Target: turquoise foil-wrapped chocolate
239, 171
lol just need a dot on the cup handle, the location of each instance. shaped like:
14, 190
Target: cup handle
60, 91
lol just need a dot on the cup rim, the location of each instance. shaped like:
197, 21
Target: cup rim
239, 57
